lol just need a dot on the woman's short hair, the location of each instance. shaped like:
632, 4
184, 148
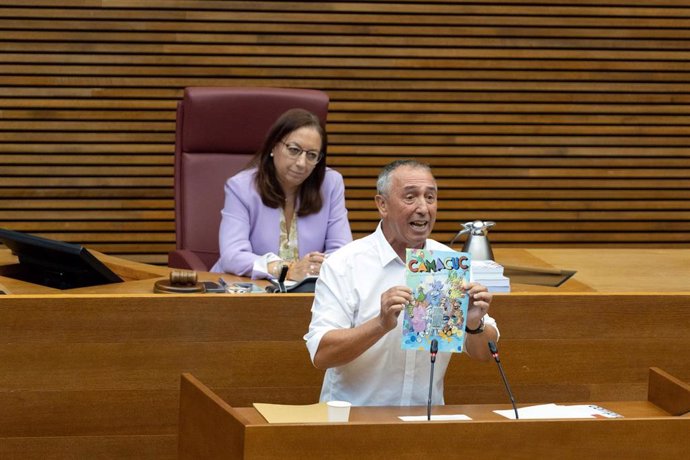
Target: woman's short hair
272, 194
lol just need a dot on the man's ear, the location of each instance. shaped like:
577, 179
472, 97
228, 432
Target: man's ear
381, 204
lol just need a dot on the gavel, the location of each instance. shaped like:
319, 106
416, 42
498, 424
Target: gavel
179, 282
183, 277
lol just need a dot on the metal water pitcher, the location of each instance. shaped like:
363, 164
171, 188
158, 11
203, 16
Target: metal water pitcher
477, 243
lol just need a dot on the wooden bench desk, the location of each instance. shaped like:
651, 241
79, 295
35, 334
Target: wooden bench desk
96, 374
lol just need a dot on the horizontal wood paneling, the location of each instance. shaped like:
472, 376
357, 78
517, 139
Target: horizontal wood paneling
100, 372
135, 447
567, 123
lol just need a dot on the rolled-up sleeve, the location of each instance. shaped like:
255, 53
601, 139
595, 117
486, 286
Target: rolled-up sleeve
334, 306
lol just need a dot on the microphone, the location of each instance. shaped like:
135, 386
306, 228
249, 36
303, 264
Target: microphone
281, 281
433, 350
494, 353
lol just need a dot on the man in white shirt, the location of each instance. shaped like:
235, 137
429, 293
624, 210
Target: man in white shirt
360, 293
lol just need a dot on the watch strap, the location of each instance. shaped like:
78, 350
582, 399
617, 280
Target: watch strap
478, 330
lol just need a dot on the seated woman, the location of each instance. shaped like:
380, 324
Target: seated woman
286, 207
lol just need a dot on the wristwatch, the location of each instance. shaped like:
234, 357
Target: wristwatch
479, 329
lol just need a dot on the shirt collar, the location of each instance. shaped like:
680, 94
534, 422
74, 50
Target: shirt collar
385, 251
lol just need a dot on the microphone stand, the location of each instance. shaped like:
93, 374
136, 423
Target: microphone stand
279, 285
433, 350
281, 279
494, 353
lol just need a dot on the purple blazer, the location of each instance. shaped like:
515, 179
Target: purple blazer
249, 229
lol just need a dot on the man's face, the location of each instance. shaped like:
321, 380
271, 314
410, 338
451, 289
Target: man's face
408, 209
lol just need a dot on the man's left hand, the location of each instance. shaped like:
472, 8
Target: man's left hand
480, 299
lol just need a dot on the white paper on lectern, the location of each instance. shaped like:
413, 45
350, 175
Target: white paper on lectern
423, 418
554, 411
542, 411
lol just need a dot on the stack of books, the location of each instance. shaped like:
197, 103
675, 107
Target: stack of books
490, 274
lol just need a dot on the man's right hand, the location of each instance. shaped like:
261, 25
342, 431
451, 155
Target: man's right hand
392, 303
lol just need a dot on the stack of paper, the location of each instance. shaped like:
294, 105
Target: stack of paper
551, 411
490, 274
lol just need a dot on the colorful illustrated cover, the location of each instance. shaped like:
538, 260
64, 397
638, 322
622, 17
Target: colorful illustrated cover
439, 308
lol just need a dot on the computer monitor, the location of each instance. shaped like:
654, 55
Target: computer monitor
53, 263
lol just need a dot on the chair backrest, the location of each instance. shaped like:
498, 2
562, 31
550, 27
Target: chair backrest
218, 131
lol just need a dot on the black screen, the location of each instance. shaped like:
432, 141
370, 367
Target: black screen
53, 263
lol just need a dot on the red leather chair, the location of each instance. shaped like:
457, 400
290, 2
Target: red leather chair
218, 131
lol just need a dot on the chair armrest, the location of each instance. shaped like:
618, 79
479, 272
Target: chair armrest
184, 258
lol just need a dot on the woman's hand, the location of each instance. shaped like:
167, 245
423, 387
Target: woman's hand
309, 265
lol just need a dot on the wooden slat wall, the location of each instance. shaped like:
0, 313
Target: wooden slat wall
567, 122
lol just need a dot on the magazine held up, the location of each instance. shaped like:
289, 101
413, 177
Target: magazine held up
438, 280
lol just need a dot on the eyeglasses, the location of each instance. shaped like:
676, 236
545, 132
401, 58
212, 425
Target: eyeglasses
294, 151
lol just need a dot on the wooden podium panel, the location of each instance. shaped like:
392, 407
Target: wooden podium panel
95, 373
81, 371
212, 429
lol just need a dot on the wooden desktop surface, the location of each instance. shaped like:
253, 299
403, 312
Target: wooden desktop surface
477, 412
138, 278
598, 270
606, 270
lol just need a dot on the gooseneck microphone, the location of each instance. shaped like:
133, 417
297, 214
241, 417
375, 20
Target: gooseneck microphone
494, 353
433, 350
281, 281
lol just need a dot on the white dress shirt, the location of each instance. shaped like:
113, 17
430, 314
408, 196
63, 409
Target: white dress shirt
348, 293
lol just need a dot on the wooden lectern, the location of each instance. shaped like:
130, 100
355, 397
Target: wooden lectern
210, 428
